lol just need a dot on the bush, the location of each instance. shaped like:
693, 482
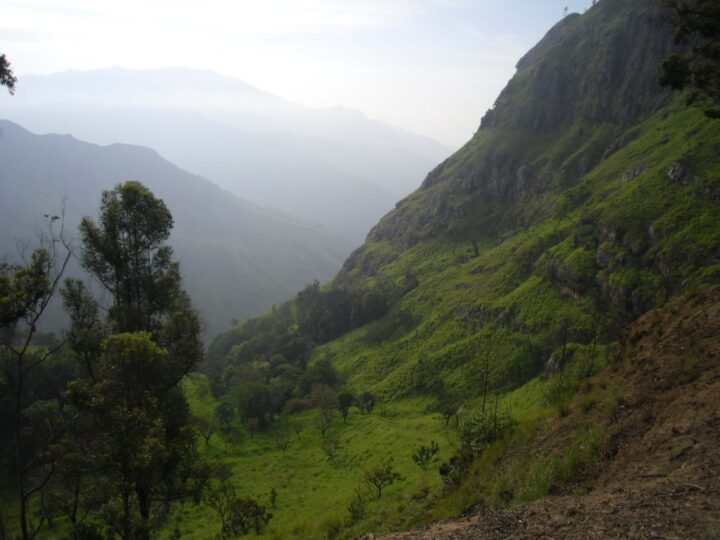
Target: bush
479, 430
357, 508
425, 455
245, 515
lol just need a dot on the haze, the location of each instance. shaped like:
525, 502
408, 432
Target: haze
429, 66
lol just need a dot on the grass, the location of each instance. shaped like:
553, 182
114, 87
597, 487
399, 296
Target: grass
313, 494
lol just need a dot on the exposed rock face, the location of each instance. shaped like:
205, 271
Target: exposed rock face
600, 68
587, 69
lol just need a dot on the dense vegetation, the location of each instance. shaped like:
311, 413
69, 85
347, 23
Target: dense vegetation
420, 382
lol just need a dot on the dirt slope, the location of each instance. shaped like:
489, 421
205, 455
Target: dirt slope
662, 477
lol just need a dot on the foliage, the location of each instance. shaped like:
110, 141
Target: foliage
282, 439
479, 430
366, 402
136, 413
344, 402
7, 79
25, 294
238, 515
423, 456
323, 421
697, 26
331, 448
382, 476
357, 507
205, 425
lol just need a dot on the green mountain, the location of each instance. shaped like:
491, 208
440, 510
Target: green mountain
588, 196
237, 259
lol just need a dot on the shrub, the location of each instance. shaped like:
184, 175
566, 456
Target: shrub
477, 431
425, 455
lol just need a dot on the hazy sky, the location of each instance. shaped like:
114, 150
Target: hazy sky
430, 66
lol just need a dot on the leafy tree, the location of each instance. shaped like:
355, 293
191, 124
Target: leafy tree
344, 402
143, 434
357, 507
25, 293
425, 455
255, 401
142, 421
366, 402
225, 414
698, 27
382, 476
331, 448
323, 397
297, 425
238, 515
282, 439
206, 426
7, 79
448, 405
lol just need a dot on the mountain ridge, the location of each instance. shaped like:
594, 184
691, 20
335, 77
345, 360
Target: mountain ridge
228, 229
304, 162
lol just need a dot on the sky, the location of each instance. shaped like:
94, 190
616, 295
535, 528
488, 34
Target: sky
430, 66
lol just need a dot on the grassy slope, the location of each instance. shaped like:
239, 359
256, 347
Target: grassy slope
510, 284
510, 275
506, 299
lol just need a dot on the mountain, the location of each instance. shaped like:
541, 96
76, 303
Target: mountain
236, 258
332, 167
495, 296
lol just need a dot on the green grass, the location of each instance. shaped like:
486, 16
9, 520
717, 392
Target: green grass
313, 494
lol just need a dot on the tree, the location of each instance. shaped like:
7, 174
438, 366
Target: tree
147, 446
206, 426
7, 79
697, 26
25, 293
225, 414
331, 448
448, 405
425, 455
143, 434
282, 439
382, 476
323, 421
238, 515
297, 425
366, 402
344, 402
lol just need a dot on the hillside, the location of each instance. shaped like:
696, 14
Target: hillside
332, 167
657, 472
237, 259
588, 197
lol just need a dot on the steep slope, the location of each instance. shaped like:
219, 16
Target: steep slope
589, 196
659, 471
586, 198
334, 167
237, 259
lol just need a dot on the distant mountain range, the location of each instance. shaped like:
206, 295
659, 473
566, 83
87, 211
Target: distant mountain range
236, 258
333, 167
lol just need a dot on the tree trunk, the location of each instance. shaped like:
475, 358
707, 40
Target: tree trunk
144, 508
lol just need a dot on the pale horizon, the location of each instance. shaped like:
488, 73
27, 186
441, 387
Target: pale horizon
430, 67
